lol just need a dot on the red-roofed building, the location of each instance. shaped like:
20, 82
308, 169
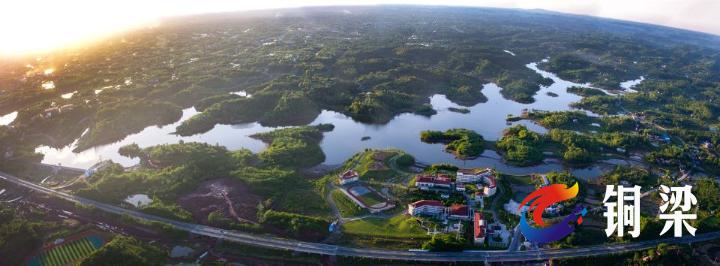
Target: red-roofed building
426, 207
479, 229
348, 177
426, 182
459, 212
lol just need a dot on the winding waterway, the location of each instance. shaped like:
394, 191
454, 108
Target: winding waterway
402, 132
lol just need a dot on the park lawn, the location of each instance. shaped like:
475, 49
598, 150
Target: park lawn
373, 164
399, 226
345, 205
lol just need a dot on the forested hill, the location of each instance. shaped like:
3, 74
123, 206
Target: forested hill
370, 63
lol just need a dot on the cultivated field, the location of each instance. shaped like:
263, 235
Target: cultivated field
68, 253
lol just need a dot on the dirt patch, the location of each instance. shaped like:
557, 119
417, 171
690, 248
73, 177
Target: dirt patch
230, 196
381, 155
377, 166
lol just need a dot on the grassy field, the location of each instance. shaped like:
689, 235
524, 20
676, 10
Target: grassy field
346, 206
400, 226
68, 253
374, 164
519, 179
371, 198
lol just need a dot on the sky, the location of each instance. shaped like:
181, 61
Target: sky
32, 26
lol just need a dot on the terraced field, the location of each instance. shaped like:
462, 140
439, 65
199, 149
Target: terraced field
67, 253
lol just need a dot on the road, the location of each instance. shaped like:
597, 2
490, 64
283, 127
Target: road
334, 250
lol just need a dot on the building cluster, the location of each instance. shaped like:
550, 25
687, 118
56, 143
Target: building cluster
483, 179
436, 208
497, 234
483, 184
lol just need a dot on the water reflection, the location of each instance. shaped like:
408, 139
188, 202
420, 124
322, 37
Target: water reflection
403, 132
231, 136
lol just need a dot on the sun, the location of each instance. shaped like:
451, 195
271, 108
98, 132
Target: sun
40, 26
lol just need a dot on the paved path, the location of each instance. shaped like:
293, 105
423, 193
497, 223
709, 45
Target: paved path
334, 250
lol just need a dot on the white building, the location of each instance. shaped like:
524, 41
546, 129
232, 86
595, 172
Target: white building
472, 176
477, 176
427, 182
426, 207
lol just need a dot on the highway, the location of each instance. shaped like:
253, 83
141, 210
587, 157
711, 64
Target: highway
334, 250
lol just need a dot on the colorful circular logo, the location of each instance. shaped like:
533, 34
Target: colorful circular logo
538, 202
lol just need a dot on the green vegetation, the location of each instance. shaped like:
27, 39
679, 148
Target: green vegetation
444, 242
114, 121
219, 219
585, 92
68, 253
707, 192
347, 207
380, 164
371, 66
633, 175
18, 236
521, 146
172, 211
572, 66
442, 167
175, 170
299, 226
399, 226
564, 120
463, 143
172, 170
426, 110
459, 110
294, 147
126, 251
662, 254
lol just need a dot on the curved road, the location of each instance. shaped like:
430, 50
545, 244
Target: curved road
325, 249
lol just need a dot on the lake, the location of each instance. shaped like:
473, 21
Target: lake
403, 132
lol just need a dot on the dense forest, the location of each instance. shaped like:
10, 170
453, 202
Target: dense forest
368, 63
282, 68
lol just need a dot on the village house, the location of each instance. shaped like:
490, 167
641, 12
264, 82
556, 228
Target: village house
348, 177
427, 182
478, 229
459, 212
426, 207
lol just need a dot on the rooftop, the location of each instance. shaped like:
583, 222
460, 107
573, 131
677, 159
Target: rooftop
479, 225
439, 179
420, 203
459, 209
349, 174
473, 171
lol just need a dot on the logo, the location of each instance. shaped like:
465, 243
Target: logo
538, 202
